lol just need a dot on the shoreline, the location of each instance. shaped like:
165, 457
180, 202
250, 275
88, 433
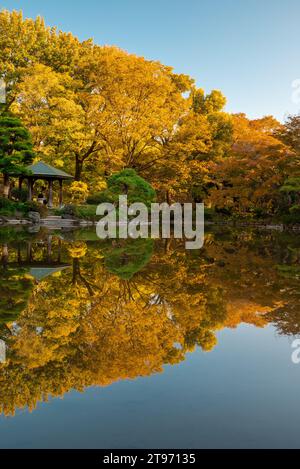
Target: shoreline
56, 223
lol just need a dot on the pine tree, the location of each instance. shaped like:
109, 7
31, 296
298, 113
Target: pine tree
16, 149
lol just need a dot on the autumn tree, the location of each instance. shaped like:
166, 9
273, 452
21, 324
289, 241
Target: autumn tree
247, 181
289, 133
202, 135
112, 111
24, 42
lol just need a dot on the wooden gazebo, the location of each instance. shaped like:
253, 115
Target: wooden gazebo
47, 173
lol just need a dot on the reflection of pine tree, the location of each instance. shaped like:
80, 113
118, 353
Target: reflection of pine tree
15, 289
126, 258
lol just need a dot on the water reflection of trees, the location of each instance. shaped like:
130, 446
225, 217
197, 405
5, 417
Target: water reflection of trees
80, 313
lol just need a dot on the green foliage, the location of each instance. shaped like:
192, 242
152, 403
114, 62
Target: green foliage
15, 145
19, 194
6, 204
36, 207
289, 271
10, 234
68, 209
15, 289
295, 210
291, 184
10, 208
293, 216
126, 182
209, 214
86, 212
97, 198
128, 257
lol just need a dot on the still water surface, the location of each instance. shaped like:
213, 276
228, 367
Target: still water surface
139, 344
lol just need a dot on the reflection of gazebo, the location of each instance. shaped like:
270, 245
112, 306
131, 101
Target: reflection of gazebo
48, 173
49, 263
41, 272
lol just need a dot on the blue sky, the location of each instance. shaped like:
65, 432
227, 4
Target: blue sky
249, 49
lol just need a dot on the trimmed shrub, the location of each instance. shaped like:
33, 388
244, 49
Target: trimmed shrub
20, 194
126, 182
36, 207
68, 210
10, 208
86, 212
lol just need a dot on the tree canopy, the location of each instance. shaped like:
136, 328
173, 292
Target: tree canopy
96, 110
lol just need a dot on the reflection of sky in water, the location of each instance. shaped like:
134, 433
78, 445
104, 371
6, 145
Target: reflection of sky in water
245, 393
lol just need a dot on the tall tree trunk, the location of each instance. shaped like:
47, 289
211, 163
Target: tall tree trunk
168, 242
168, 197
5, 185
78, 169
75, 269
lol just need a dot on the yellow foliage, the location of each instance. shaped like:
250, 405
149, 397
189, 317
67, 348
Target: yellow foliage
77, 250
79, 191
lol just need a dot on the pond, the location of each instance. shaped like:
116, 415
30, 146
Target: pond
143, 344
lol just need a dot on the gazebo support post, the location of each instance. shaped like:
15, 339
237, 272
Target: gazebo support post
20, 182
29, 252
30, 187
50, 201
60, 193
